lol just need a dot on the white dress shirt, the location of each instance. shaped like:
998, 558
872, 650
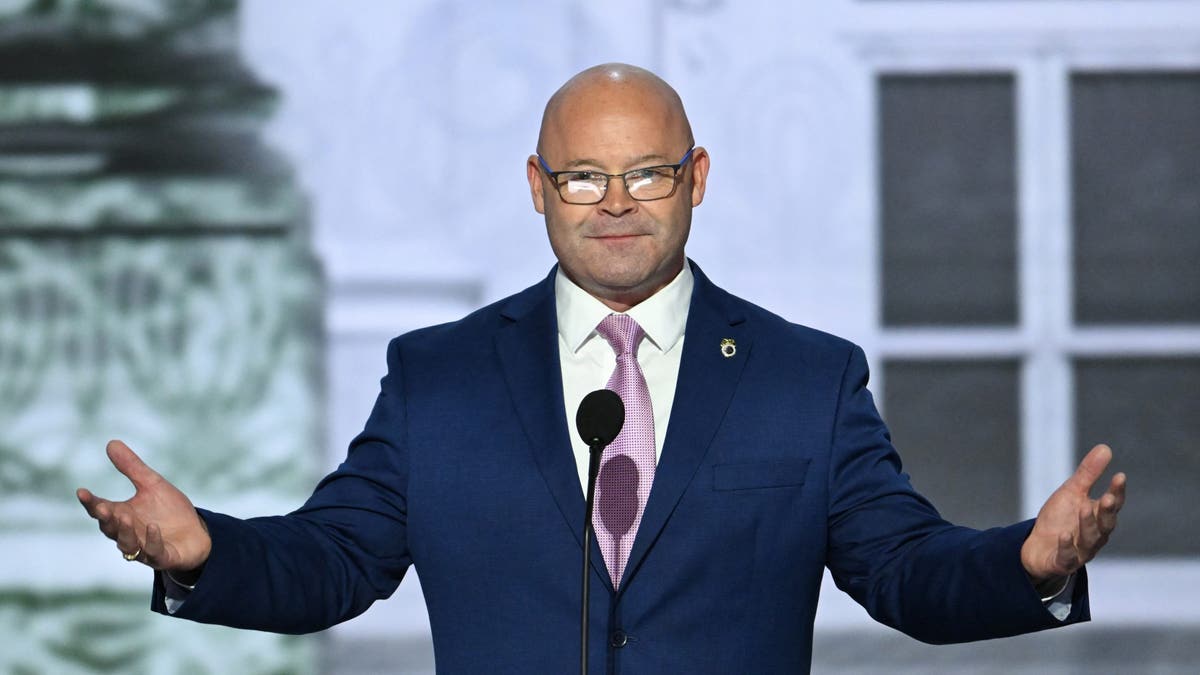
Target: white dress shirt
587, 360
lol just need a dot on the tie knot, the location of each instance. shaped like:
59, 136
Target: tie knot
622, 332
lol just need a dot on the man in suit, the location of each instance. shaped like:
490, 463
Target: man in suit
752, 457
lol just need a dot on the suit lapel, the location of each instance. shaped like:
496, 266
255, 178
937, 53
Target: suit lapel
528, 350
707, 380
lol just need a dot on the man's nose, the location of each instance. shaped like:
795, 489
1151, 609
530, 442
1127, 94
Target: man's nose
617, 201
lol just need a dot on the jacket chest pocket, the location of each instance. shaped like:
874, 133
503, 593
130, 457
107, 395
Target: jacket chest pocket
762, 475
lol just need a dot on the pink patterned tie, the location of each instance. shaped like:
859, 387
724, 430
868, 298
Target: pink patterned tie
627, 465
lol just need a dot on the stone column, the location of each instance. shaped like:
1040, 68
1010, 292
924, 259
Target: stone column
157, 284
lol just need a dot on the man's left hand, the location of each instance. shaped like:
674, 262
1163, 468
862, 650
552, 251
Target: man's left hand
1071, 528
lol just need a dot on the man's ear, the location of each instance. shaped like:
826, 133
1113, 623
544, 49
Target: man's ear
699, 174
534, 173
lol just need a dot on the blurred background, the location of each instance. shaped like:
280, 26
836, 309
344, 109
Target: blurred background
214, 214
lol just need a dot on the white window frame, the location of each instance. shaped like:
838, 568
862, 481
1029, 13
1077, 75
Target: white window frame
1041, 60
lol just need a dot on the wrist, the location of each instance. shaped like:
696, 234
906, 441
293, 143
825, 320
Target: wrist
1050, 587
186, 578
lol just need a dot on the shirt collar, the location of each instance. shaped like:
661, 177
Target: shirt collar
662, 316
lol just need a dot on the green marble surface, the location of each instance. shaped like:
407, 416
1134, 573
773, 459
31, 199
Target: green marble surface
200, 350
156, 285
123, 20
102, 631
153, 202
83, 103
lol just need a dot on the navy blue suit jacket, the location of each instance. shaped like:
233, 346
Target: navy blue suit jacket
775, 465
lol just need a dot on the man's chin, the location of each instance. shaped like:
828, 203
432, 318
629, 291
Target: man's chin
621, 280
628, 288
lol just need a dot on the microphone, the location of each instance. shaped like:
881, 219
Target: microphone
599, 419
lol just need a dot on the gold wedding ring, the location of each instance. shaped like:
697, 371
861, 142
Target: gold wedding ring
132, 556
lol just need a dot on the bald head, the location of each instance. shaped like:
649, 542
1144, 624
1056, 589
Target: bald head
617, 87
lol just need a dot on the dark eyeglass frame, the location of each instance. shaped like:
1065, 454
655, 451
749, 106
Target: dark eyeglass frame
553, 176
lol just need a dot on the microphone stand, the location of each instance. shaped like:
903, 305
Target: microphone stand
595, 449
599, 420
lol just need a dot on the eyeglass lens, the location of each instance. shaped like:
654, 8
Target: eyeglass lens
588, 187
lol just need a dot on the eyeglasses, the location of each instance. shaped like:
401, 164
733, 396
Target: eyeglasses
589, 187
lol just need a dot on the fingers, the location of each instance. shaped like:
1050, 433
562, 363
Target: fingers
116, 520
1116, 488
1076, 549
127, 538
1066, 558
154, 551
95, 506
1091, 468
130, 465
119, 521
100, 509
1110, 504
1090, 538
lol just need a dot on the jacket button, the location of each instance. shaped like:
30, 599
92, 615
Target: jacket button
618, 639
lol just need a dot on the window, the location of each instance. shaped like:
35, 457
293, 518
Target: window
948, 184
1040, 297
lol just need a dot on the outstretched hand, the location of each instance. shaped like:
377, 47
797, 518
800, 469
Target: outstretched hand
1071, 528
158, 526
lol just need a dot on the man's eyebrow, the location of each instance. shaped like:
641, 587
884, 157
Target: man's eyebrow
653, 157
586, 162
634, 164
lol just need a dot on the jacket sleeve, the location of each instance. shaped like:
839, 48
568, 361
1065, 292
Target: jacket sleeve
327, 561
895, 555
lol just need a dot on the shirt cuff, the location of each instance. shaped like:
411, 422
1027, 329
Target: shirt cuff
175, 593
1059, 604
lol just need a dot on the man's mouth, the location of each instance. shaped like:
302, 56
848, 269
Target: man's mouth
617, 236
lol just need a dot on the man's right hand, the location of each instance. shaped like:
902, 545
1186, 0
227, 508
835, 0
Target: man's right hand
158, 526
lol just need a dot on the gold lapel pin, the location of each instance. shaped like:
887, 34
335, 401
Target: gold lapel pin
728, 348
